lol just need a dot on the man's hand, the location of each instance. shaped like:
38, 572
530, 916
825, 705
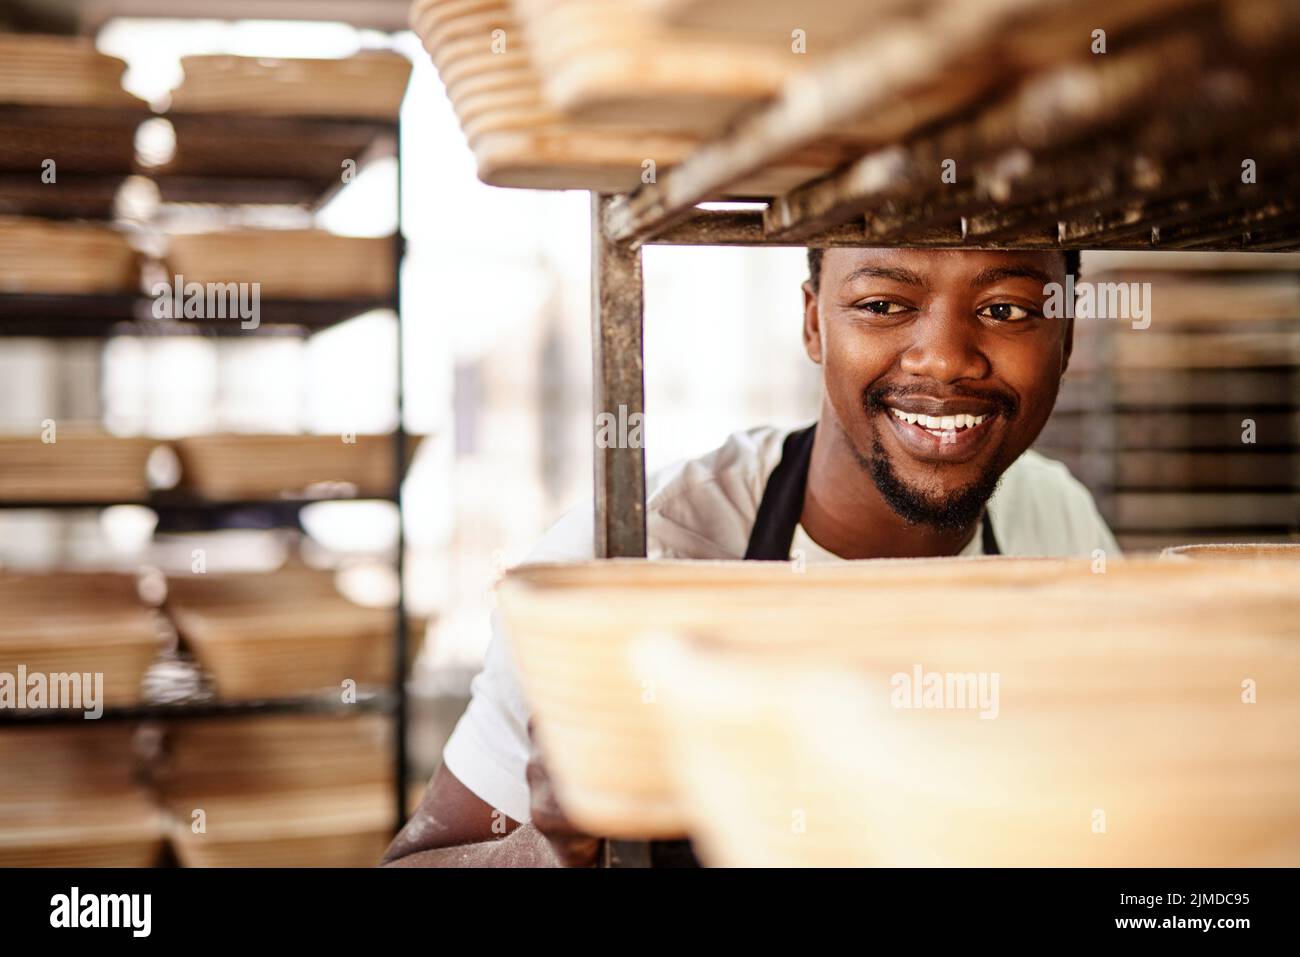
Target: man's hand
572, 847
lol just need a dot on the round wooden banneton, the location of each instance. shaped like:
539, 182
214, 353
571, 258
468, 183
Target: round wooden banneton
519, 78
571, 629
434, 13
1236, 551
565, 157
437, 32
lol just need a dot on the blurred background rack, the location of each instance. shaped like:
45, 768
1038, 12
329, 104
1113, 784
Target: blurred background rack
94, 161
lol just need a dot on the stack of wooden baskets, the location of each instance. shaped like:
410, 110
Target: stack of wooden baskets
1141, 712
580, 94
38, 256
292, 119
1184, 421
69, 798
282, 635
569, 94
83, 625
279, 791
63, 114
496, 90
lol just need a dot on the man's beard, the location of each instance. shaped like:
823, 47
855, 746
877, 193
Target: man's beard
955, 511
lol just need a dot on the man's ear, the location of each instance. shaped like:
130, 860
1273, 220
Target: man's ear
812, 326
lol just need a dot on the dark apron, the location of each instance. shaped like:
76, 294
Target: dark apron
769, 540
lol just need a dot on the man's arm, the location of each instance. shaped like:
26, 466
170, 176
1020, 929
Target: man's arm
454, 827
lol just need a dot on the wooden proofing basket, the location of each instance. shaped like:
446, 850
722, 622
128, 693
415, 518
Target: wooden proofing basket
83, 464
369, 85
253, 466
55, 258
337, 827
572, 627
785, 761
71, 627
68, 798
280, 790
1235, 551
286, 263
284, 634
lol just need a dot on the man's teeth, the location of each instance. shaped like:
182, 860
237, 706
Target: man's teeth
940, 423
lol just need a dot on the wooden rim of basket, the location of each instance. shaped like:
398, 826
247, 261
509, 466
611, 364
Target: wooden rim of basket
437, 32
1246, 551
439, 11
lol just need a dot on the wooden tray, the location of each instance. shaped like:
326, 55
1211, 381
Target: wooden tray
572, 627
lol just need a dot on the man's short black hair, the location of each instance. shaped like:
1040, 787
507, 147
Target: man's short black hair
815, 266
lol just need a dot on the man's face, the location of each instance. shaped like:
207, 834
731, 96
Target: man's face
939, 367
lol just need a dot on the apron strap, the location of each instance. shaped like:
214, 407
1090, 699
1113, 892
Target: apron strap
782, 503
990, 541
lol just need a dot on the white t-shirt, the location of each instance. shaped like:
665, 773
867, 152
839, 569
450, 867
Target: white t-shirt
704, 509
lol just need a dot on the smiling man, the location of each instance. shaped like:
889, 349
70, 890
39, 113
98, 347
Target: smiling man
939, 371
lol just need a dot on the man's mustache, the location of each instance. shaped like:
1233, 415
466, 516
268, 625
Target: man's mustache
1007, 405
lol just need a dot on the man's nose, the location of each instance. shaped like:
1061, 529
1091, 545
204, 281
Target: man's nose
945, 347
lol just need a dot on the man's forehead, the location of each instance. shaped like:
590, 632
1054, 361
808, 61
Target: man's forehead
846, 260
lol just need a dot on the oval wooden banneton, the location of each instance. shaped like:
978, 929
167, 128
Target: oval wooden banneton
1163, 630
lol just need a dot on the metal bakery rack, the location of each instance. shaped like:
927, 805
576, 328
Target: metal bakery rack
1006, 124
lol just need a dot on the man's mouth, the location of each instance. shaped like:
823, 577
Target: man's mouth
939, 424
941, 431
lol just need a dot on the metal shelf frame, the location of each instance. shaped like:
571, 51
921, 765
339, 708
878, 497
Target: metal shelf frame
199, 707
62, 316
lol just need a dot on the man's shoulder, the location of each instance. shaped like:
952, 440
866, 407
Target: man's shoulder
701, 507
704, 507
741, 464
1041, 508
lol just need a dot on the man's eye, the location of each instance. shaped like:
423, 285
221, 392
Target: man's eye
881, 307
1005, 312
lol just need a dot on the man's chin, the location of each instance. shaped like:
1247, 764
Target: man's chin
951, 508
